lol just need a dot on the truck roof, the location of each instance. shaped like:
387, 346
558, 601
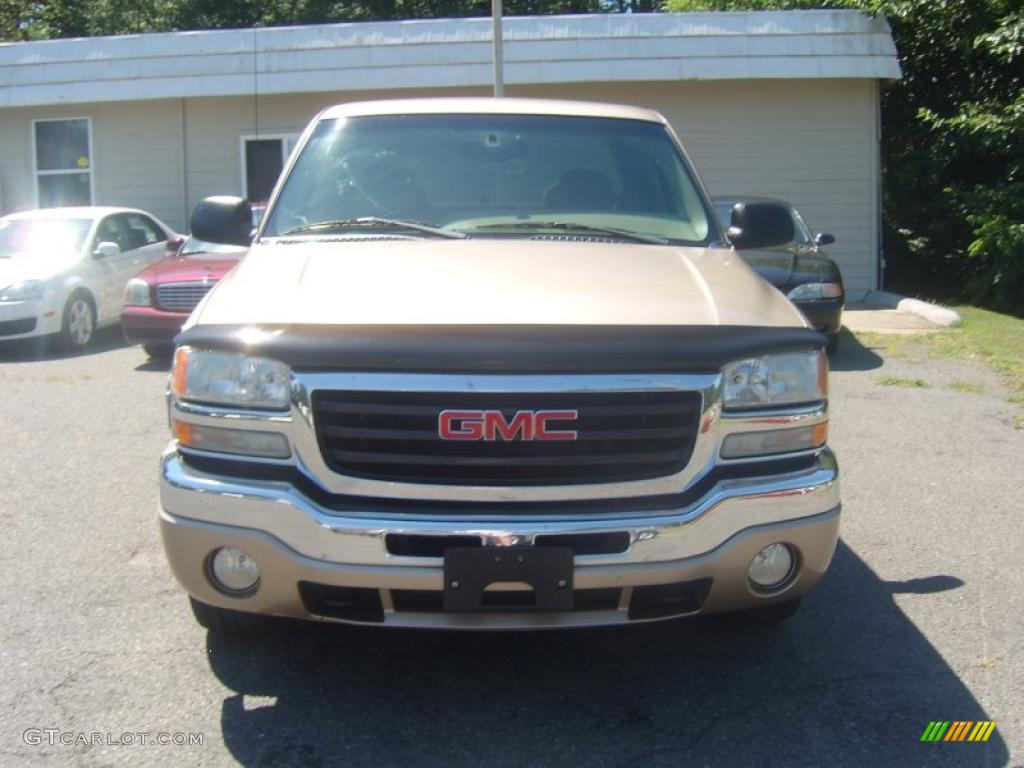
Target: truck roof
490, 106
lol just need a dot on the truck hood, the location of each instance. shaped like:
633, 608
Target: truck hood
480, 281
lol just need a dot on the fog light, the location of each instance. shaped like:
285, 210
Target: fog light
233, 571
770, 567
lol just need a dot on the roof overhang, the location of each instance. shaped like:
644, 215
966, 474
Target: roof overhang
449, 53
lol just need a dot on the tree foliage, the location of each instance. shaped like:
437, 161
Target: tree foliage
44, 19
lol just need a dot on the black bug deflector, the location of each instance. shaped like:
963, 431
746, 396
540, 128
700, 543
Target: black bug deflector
590, 349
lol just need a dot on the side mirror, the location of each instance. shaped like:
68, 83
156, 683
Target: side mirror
823, 238
760, 225
106, 250
223, 219
174, 244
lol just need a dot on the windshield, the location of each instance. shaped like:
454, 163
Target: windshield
475, 173
724, 210
42, 237
801, 234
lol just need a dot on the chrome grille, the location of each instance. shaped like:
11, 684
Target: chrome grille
393, 436
181, 297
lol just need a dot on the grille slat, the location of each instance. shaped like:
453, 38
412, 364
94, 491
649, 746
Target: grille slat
430, 410
441, 460
181, 297
655, 433
394, 436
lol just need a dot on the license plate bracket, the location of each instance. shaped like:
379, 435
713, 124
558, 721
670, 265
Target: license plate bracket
468, 571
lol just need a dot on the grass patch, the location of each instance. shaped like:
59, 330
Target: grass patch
994, 339
967, 386
989, 338
896, 381
888, 344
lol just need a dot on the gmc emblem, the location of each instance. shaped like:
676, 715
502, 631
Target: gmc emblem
492, 425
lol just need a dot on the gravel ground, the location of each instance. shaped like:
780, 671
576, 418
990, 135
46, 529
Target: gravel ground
919, 619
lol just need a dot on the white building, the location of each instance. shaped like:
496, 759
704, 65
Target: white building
779, 103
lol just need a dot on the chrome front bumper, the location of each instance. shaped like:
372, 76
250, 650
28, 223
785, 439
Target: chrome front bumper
294, 539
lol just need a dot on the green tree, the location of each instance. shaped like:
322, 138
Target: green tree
47, 19
981, 137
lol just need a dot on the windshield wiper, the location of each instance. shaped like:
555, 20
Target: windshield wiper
574, 226
375, 222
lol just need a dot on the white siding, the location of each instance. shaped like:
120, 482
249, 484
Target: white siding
810, 142
136, 161
16, 157
139, 160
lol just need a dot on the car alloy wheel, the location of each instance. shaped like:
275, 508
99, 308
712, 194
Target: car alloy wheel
79, 322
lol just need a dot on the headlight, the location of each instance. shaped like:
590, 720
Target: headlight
136, 293
816, 291
782, 379
29, 290
230, 378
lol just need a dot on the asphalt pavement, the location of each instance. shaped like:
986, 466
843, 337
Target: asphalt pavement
919, 619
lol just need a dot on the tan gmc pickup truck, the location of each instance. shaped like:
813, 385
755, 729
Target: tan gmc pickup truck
492, 363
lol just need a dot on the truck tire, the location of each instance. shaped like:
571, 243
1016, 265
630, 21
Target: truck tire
224, 621
833, 343
159, 352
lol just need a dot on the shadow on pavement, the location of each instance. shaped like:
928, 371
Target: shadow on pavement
925, 586
157, 363
852, 355
849, 681
42, 348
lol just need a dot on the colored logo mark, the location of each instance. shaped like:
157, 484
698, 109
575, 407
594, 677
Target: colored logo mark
958, 730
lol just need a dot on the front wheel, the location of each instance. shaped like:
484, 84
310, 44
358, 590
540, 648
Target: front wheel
79, 322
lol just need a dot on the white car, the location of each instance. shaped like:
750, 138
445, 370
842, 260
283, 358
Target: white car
63, 270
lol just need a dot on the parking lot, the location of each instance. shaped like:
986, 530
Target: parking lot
918, 620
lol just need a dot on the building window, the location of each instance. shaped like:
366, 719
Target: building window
63, 162
263, 158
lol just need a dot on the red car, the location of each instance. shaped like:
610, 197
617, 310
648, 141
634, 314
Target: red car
160, 298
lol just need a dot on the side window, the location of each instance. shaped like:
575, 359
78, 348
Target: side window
142, 230
111, 230
161, 234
